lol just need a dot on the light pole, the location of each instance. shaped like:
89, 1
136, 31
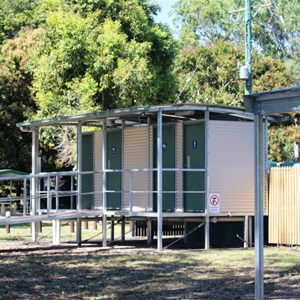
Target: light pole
259, 178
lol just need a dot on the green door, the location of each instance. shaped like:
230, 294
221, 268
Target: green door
114, 161
194, 158
87, 165
168, 177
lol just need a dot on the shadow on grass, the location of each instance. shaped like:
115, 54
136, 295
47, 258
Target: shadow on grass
89, 272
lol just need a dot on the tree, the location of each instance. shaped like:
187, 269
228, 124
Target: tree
15, 15
275, 24
15, 101
282, 138
209, 74
77, 56
100, 55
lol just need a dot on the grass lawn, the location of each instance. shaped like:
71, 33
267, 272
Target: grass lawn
41, 271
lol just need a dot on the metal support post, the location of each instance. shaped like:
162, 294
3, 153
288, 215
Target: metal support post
149, 232
123, 229
34, 198
207, 219
49, 202
159, 181
79, 181
112, 228
185, 239
56, 193
56, 232
79, 166
78, 231
24, 197
246, 232
104, 195
250, 231
259, 207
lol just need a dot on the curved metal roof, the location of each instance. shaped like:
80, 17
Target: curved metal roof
136, 114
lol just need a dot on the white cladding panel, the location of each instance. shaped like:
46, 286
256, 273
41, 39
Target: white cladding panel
231, 165
98, 178
136, 155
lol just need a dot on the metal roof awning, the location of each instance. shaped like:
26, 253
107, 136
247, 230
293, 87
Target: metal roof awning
137, 114
274, 102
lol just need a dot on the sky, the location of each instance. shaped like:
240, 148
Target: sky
164, 15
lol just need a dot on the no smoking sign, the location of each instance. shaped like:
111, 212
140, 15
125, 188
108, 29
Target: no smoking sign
214, 203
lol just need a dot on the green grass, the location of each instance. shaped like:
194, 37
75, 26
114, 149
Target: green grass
21, 233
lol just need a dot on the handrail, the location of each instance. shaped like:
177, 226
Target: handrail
54, 191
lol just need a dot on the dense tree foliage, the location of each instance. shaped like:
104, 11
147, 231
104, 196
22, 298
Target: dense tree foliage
100, 55
62, 57
209, 74
71, 56
14, 15
275, 23
15, 101
282, 139
276, 55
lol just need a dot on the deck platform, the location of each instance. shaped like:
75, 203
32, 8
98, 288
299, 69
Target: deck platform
87, 213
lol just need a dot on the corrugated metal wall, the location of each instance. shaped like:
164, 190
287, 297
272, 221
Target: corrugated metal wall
231, 165
230, 161
136, 155
98, 167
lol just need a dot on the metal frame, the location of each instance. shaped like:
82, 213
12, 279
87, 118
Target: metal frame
262, 105
149, 115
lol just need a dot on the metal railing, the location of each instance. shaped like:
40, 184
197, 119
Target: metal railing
48, 195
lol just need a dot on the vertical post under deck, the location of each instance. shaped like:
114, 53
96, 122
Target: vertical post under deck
104, 199
149, 232
159, 181
56, 232
246, 231
250, 231
123, 229
112, 228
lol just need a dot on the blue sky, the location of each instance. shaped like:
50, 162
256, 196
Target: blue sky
166, 8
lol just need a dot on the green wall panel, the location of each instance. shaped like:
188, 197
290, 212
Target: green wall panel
87, 165
194, 158
168, 157
114, 161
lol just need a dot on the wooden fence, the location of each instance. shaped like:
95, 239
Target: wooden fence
284, 205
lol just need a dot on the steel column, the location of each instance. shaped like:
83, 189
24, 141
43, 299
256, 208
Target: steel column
159, 181
149, 232
104, 195
259, 206
34, 167
207, 221
56, 232
79, 180
246, 232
